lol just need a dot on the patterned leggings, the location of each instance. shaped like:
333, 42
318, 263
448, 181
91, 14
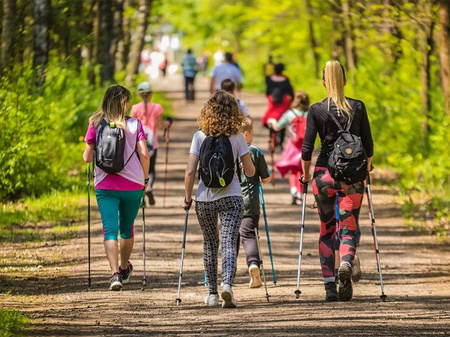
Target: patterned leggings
325, 189
230, 210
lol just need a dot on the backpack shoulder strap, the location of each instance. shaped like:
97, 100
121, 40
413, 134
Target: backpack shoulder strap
332, 117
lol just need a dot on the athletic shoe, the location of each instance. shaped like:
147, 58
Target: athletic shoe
115, 282
345, 282
126, 274
212, 300
255, 276
331, 292
151, 199
227, 296
356, 269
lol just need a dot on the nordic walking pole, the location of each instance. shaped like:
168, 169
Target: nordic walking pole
297, 292
374, 234
261, 263
178, 300
144, 280
337, 241
167, 135
257, 239
89, 221
272, 152
267, 233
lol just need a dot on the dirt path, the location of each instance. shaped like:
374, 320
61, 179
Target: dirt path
48, 280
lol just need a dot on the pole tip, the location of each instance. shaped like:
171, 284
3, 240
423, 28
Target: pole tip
383, 298
178, 301
297, 293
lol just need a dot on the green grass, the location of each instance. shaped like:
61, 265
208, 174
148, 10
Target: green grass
49, 217
12, 323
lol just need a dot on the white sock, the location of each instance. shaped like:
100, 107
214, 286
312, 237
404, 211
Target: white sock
293, 191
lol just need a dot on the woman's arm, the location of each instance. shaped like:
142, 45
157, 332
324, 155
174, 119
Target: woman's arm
189, 176
266, 180
306, 164
144, 156
88, 154
247, 165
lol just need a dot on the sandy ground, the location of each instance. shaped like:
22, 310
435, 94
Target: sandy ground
48, 280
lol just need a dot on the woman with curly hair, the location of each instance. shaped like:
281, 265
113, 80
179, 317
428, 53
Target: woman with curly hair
219, 116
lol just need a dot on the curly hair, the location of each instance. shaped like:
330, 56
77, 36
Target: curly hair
220, 115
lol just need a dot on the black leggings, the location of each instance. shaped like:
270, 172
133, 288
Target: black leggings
151, 171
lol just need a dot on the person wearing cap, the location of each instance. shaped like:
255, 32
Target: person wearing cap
150, 114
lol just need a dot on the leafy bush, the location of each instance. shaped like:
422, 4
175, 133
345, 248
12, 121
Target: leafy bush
12, 323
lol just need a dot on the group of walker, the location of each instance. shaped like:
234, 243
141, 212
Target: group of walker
236, 201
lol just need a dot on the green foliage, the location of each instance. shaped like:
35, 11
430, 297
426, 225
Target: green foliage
41, 133
12, 323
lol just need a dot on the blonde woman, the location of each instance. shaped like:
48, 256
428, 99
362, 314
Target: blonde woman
220, 116
319, 120
118, 195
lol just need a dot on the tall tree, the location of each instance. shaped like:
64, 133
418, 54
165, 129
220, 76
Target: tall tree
105, 38
348, 38
123, 45
312, 38
444, 54
117, 32
8, 29
139, 39
41, 38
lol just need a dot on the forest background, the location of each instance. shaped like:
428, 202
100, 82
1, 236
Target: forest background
58, 57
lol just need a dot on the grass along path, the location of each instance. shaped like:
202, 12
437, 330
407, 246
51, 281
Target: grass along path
48, 279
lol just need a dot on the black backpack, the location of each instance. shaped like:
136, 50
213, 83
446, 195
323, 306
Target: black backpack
110, 148
348, 160
216, 167
277, 95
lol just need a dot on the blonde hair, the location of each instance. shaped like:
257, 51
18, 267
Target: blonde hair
334, 78
220, 115
247, 125
113, 108
301, 101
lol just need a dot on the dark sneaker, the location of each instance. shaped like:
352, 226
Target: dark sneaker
331, 292
126, 274
356, 269
115, 282
345, 283
151, 199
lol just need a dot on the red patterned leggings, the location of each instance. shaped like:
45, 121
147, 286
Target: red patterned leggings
325, 189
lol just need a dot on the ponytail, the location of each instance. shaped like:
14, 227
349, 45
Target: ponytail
334, 78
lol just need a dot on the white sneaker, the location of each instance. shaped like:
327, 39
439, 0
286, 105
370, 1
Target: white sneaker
212, 300
228, 298
356, 269
255, 276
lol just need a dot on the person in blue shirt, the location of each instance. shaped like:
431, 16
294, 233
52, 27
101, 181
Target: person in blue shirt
189, 64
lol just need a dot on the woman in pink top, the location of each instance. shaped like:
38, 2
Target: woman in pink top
118, 195
150, 115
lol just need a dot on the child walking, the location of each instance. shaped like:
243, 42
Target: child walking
150, 114
219, 117
291, 157
230, 87
119, 195
250, 221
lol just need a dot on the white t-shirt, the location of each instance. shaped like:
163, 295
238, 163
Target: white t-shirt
240, 148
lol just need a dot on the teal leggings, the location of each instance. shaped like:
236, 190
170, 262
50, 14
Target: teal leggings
118, 210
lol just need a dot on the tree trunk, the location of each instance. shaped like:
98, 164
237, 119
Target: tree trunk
41, 37
104, 42
8, 29
117, 32
425, 72
444, 53
123, 45
348, 45
312, 38
138, 43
